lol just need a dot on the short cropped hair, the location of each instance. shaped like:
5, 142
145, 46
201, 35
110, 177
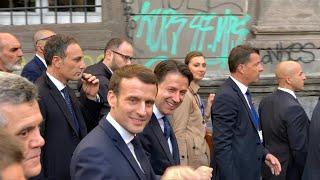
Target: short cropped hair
240, 55
15, 89
131, 71
114, 44
57, 46
172, 66
10, 150
191, 55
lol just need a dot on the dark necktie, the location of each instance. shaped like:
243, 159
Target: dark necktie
138, 150
167, 127
70, 108
253, 111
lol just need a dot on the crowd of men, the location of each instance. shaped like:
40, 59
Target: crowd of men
119, 127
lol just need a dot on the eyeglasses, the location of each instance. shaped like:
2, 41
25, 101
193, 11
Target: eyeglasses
125, 57
44, 39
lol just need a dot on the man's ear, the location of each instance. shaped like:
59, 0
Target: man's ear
112, 98
57, 61
241, 68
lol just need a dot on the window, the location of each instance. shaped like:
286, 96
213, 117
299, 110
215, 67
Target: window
22, 12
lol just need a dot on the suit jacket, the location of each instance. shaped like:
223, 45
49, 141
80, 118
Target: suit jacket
103, 73
157, 148
285, 132
58, 128
187, 123
33, 69
238, 153
103, 154
312, 166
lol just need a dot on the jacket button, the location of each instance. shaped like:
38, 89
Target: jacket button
182, 156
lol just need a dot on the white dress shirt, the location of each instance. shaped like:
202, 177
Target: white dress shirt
288, 91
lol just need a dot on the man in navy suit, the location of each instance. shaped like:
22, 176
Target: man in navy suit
284, 123
10, 53
312, 166
36, 66
112, 150
158, 139
64, 117
238, 151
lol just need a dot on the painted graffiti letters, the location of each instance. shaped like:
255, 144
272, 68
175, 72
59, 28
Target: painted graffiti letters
295, 51
162, 32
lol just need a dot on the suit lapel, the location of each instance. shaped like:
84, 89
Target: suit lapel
243, 100
56, 95
77, 111
121, 146
162, 140
39, 63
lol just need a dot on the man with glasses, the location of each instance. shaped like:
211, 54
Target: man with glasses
117, 53
35, 67
10, 53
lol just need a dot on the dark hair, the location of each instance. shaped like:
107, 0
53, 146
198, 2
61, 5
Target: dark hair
131, 71
114, 43
57, 46
171, 66
10, 150
240, 55
191, 55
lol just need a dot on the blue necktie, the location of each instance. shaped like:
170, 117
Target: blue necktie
253, 111
167, 127
70, 108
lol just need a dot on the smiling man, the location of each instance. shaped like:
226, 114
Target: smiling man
158, 139
64, 117
20, 116
10, 53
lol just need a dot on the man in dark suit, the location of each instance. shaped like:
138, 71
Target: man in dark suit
312, 166
158, 139
117, 53
64, 117
10, 53
285, 124
238, 151
112, 150
36, 66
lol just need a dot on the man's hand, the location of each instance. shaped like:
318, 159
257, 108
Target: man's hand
90, 86
187, 173
273, 164
204, 172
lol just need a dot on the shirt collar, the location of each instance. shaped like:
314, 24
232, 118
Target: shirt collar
156, 112
42, 60
288, 91
243, 88
56, 82
125, 135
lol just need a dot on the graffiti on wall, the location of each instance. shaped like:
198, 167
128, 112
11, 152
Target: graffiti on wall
295, 51
166, 32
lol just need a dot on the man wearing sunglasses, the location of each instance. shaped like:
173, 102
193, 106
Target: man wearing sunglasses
35, 67
117, 53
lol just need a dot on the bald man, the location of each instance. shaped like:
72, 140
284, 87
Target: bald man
284, 122
36, 66
10, 53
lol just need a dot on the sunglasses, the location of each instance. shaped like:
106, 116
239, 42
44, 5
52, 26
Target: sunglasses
44, 39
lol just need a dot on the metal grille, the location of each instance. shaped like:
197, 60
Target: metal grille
28, 8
